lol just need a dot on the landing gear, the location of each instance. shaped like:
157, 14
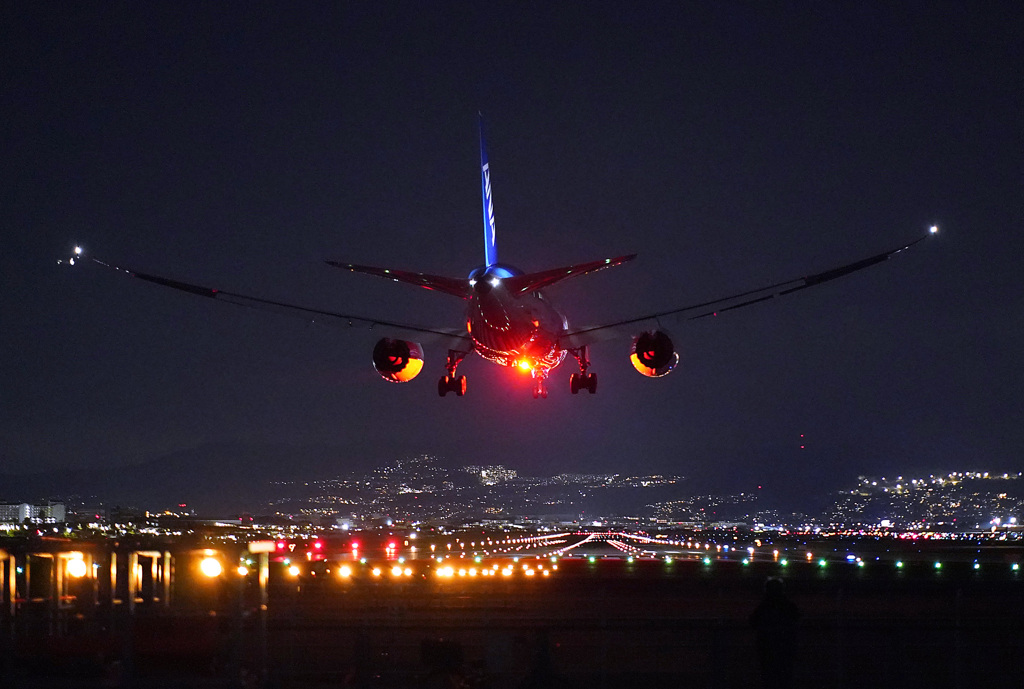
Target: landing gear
456, 384
540, 387
452, 382
582, 380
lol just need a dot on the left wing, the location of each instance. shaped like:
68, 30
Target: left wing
576, 338
267, 304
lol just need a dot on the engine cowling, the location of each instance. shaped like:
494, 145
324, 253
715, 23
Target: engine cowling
653, 354
397, 361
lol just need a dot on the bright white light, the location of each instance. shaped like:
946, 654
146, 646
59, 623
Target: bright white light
77, 568
78, 251
933, 229
472, 282
210, 566
495, 282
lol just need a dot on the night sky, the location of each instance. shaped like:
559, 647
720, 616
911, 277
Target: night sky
730, 145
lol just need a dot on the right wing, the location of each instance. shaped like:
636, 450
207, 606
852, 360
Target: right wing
237, 299
713, 307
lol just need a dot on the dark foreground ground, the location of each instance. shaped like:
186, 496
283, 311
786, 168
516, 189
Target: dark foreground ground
604, 624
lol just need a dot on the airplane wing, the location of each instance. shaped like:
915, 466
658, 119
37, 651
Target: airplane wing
312, 314
713, 307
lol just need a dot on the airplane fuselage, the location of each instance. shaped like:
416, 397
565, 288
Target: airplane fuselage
512, 329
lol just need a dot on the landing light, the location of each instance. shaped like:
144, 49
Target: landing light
495, 282
933, 229
78, 251
524, 365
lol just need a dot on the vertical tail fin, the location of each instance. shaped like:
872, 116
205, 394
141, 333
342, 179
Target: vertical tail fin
490, 242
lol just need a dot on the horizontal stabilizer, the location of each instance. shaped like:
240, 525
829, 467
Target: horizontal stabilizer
458, 287
531, 282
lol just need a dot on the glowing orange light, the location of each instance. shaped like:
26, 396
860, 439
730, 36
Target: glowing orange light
524, 365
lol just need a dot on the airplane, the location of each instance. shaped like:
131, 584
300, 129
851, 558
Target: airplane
509, 320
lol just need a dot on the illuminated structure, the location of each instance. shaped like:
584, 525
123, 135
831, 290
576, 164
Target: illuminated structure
509, 321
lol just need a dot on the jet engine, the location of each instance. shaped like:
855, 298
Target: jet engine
397, 361
653, 354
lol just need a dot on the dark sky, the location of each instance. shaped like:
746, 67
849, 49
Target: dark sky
731, 145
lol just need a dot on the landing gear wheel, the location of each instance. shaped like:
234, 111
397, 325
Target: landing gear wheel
456, 384
540, 388
583, 381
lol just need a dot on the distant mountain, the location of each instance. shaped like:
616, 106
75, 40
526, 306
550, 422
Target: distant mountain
216, 479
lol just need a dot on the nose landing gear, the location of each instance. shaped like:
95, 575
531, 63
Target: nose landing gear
540, 387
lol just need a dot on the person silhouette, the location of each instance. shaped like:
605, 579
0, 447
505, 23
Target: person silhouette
775, 623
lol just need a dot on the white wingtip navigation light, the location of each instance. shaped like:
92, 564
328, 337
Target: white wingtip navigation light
934, 229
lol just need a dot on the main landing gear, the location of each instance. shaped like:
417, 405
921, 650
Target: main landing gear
452, 382
582, 380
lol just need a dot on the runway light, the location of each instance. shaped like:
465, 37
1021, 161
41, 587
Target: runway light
938, 565
899, 564
242, 570
210, 566
77, 568
294, 570
345, 572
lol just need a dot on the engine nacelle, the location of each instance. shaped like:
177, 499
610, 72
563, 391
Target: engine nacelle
397, 361
653, 354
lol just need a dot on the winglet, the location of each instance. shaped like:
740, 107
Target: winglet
490, 243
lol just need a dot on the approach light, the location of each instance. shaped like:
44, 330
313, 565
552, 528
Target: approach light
211, 567
77, 568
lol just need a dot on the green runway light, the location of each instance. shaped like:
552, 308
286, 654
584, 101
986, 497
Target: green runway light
822, 563
707, 561
899, 564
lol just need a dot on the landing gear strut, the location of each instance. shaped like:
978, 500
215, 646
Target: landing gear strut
582, 380
540, 387
452, 382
